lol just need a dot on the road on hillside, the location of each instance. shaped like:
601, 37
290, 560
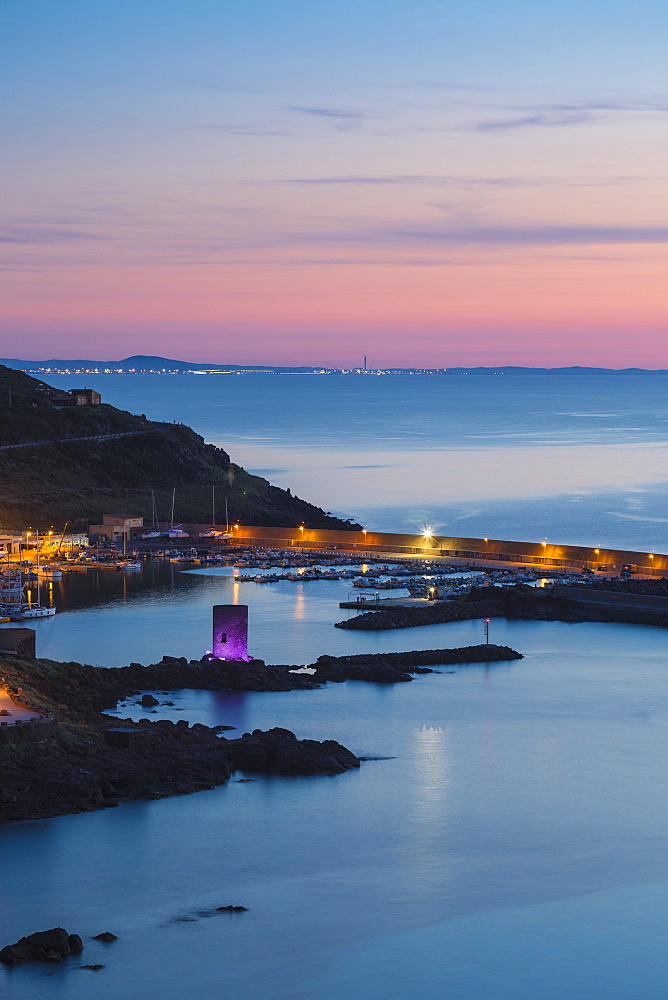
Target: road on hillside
89, 437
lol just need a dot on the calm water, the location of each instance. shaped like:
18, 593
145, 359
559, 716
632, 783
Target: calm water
579, 460
513, 844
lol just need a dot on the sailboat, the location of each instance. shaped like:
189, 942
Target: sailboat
213, 532
175, 530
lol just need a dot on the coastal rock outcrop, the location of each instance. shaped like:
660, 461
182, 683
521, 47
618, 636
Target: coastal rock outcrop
389, 668
99, 760
44, 946
278, 751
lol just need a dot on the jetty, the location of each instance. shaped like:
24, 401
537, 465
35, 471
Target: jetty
544, 554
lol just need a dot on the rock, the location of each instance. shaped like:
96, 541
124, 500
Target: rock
93, 968
278, 751
44, 946
105, 936
231, 909
148, 701
75, 942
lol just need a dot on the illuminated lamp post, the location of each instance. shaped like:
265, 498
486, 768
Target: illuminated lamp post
366, 551
301, 537
651, 564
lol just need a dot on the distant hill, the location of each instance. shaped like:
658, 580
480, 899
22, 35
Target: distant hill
71, 481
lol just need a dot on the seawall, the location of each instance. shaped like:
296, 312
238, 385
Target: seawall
483, 550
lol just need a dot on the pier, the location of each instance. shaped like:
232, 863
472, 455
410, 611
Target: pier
482, 551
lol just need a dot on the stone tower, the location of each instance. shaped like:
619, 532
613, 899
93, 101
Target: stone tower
230, 631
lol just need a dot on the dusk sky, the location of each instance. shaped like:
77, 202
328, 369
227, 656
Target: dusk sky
434, 183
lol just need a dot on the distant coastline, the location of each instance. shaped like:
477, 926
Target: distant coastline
141, 364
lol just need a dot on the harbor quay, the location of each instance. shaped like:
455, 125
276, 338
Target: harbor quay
488, 551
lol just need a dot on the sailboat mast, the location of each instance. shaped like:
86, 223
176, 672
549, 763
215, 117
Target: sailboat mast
39, 579
213, 506
227, 517
171, 524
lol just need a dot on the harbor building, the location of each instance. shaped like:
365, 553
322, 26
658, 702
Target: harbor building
116, 527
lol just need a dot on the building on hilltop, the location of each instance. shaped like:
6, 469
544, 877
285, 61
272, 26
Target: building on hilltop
76, 397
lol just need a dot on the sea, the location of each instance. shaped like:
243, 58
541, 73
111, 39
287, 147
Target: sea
508, 837
579, 459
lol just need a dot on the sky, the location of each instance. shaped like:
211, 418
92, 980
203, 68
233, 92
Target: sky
445, 182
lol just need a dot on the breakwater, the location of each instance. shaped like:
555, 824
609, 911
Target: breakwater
483, 550
512, 602
388, 668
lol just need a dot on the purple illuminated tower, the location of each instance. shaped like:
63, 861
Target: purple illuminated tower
230, 631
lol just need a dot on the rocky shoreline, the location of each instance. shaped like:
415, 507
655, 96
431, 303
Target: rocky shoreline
95, 760
496, 602
82, 773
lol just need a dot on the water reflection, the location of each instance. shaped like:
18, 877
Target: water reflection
432, 779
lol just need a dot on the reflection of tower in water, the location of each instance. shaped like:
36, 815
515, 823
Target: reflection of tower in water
231, 709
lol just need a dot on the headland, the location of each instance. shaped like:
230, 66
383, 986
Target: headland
71, 458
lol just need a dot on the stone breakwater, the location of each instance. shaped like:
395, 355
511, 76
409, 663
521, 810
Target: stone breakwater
495, 602
390, 668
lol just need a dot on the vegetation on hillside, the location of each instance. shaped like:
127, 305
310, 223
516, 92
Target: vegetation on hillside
78, 481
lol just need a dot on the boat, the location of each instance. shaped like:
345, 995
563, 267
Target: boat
129, 567
176, 532
51, 572
28, 611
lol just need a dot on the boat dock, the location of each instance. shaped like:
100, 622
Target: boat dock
368, 603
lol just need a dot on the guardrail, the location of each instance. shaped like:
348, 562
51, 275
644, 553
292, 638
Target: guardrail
88, 437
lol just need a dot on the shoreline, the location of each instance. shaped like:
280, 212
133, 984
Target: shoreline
95, 761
